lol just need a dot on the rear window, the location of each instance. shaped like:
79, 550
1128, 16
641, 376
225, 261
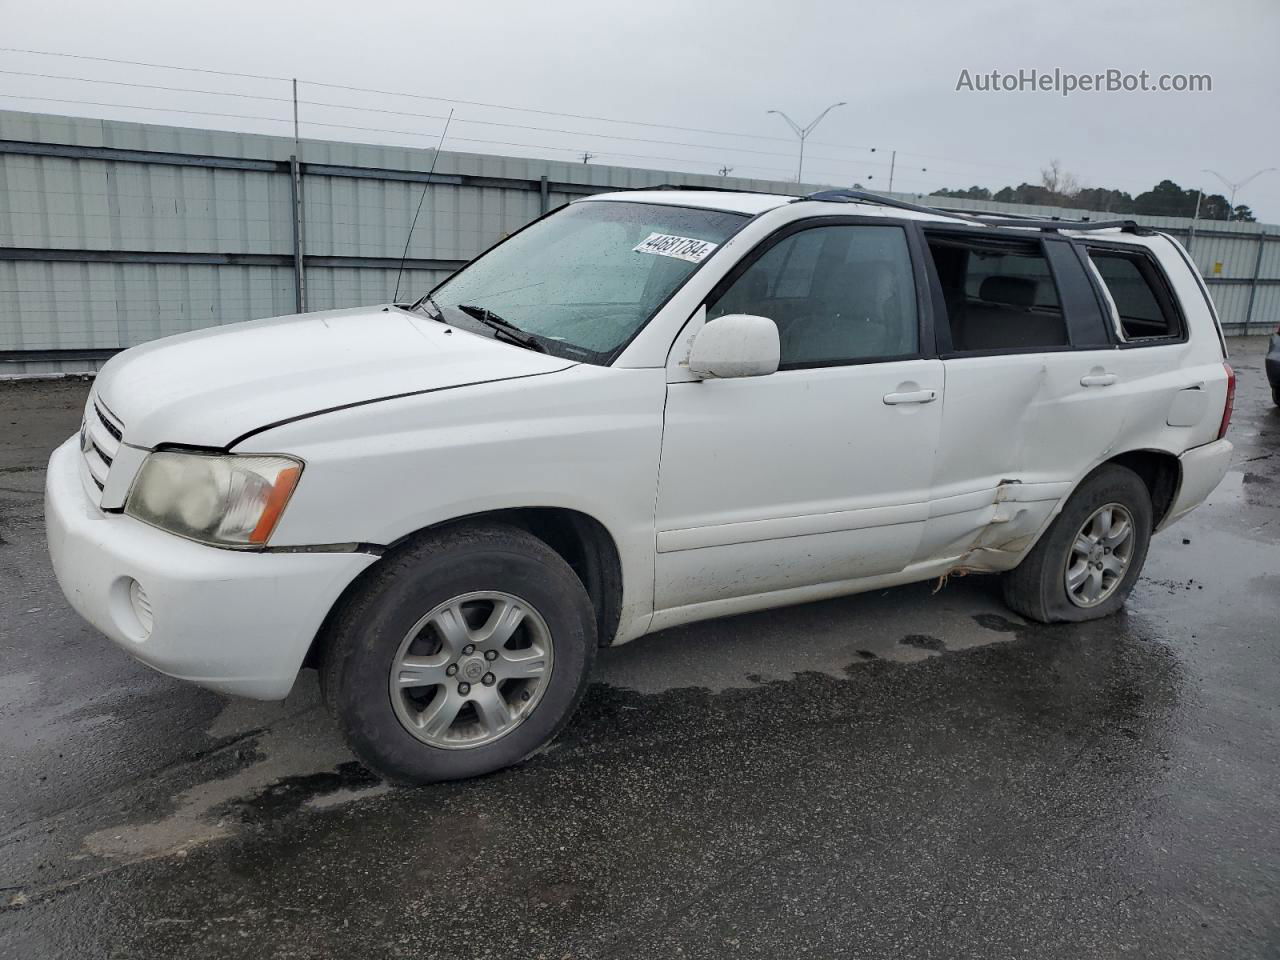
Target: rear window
1144, 307
1000, 295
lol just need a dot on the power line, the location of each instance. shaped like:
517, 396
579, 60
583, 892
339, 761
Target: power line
134, 106
574, 133
829, 176
146, 86
143, 63
346, 126
391, 93
476, 103
400, 113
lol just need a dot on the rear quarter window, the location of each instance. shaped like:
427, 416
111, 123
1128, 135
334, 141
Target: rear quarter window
1144, 305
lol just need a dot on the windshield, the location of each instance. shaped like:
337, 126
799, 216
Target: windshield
584, 280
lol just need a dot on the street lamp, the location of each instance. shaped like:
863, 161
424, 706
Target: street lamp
803, 132
1233, 187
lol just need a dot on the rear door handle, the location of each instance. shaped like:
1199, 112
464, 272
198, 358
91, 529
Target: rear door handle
911, 396
1098, 380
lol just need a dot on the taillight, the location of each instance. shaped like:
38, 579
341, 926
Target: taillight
1231, 401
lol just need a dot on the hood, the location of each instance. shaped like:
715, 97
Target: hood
210, 387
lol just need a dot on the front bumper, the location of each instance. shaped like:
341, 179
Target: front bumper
233, 621
1203, 468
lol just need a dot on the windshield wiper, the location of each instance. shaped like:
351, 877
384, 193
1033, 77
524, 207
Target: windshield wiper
505, 327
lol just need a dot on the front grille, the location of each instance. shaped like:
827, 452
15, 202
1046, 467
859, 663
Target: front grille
100, 436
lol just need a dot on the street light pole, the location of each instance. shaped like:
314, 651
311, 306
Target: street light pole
803, 132
1233, 187
1195, 218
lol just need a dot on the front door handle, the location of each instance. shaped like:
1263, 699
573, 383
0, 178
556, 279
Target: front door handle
911, 396
1098, 380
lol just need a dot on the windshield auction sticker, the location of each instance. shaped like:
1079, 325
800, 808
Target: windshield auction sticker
682, 248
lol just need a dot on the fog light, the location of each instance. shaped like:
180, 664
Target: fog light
141, 605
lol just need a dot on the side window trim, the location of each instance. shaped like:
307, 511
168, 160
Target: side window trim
1106, 302
1087, 327
919, 259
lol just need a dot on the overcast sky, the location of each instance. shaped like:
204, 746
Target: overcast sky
714, 65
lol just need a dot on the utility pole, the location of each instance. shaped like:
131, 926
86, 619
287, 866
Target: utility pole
803, 132
587, 155
1233, 187
725, 171
893, 162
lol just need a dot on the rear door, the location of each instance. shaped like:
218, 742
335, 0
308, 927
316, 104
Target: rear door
1031, 374
819, 473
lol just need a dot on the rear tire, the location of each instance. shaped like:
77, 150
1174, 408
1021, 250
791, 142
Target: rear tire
399, 658
1072, 573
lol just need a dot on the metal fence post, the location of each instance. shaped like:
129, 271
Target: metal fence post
1253, 284
544, 195
299, 298
299, 221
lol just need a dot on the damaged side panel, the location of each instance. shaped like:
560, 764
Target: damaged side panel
1016, 430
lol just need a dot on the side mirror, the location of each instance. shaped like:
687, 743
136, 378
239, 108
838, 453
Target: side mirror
735, 345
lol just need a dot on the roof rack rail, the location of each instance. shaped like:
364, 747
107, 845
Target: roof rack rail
862, 196
1023, 220
1127, 226
1010, 216
696, 187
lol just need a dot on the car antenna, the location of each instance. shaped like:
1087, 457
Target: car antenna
409, 239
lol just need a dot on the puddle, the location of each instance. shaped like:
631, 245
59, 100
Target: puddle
994, 621
903, 625
318, 791
343, 796
298, 757
923, 641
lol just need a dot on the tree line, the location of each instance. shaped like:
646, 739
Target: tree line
1059, 189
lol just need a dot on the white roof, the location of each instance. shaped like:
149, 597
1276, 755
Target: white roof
756, 203
751, 203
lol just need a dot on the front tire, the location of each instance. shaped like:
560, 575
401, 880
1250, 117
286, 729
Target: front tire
1086, 563
459, 655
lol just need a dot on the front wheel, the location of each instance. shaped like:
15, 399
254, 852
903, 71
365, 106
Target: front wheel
1086, 563
461, 654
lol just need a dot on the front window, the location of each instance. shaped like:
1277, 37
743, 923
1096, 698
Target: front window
838, 295
584, 281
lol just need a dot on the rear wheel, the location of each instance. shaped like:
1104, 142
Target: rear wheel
1088, 560
461, 655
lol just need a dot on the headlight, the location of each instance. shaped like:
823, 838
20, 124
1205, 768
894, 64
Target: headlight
224, 500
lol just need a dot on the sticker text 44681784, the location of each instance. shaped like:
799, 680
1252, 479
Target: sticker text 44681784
682, 248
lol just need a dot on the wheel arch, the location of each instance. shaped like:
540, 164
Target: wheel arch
1159, 470
579, 538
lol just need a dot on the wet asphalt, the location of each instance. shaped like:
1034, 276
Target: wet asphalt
903, 773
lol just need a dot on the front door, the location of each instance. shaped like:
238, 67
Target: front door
818, 474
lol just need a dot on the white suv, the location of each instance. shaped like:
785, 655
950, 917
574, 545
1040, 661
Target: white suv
644, 409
